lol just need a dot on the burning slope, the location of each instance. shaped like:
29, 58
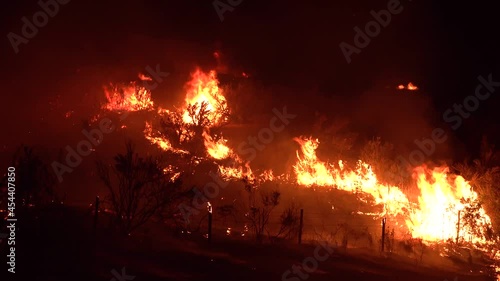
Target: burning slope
434, 218
310, 171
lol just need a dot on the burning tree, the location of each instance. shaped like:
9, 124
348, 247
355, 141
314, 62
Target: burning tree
139, 188
196, 128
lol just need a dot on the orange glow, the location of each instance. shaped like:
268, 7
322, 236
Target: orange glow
143, 77
410, 87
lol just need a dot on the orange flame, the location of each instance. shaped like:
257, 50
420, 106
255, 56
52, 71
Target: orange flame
439, 204
216, 149
127, 97
433, 218
204, 88
410, 87
159, 141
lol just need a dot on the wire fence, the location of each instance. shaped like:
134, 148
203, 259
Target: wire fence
340, 229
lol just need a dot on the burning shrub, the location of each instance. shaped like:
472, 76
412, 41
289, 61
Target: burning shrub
139, 189
484, 176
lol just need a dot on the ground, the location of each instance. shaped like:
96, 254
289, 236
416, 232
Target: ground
61, 244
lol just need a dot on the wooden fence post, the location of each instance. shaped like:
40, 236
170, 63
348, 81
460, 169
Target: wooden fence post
383, 233
301, 225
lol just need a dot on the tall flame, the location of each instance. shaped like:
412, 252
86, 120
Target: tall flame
439, 206
204, 89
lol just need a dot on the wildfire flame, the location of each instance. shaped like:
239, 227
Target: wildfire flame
216, 149
204, 89
127, 97
310, 171
161, 142
433, 218
410, 87
439, 204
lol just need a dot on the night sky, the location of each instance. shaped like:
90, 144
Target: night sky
441, 47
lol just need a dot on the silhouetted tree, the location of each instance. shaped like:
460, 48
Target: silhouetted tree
260, 210
139, 188
34, 182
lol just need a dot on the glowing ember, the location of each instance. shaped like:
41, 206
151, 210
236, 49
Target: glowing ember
127, 97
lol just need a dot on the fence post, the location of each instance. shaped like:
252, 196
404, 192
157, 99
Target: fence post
209, 223
96, 214
301, 225
458, 226
383, 233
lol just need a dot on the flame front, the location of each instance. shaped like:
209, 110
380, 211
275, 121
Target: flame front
433, 218
310, 171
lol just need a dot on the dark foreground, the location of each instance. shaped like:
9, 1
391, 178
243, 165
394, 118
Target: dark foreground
61, 245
